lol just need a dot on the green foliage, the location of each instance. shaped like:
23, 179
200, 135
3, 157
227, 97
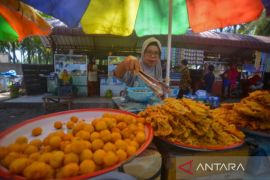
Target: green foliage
31, 49
259, 27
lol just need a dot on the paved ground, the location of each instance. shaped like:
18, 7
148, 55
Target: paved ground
16, 110
4, 96
11, 116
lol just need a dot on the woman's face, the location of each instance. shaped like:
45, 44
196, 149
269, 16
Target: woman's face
151, 55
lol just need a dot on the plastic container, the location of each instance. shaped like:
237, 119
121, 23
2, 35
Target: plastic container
139, 94
215, 102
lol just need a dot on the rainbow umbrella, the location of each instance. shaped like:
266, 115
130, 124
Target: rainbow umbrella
18, 21
150, 17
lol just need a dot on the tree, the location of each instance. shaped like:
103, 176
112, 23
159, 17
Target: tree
258, 27
10, 49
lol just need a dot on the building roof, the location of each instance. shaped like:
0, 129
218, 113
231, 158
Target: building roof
63, 38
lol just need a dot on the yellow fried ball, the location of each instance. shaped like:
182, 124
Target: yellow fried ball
54, 142
18, 165
110, 159
140, 137
38, 170
89, 128
131, 150
100, 125
17, 147
70, 170
77, 146
70, 124
45, 157
135, 144
68, 137
67, 148
121, 125
36, 131
115, 129
132, 128
58, 124
83, 135
8, 159
122, 155
30, 149
120, 144
87, 166
74, 119
57, 159
46, 148
126, 132
116, 136
36, 142
109, 147
97, 144
59, 133
94, 136
130, 119
79, 126
86, 154
71, 158
111, 122
128, 141
35, 156
21, 140
98, 156
105, 135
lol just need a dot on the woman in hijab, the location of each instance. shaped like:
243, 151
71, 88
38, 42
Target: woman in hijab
149, 64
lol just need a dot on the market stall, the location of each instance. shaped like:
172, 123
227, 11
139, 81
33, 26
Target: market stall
108, 139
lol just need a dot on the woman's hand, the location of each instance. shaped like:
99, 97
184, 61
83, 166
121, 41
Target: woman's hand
130, 63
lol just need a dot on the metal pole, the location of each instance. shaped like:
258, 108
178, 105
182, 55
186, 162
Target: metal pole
169, 45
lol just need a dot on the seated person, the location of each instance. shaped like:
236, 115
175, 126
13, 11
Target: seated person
65, 84
65, 78
255, 82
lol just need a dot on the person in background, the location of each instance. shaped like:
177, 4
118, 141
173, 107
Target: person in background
209, 79
225, 83
92, 78
65, 78
149, 63
233, 75
185, 81
205, 68
65, 85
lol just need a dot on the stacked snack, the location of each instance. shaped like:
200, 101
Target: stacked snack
253, 112
85, 148
189, 122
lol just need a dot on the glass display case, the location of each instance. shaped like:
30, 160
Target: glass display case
76, 65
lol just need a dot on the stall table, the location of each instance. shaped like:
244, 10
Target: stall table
50, 101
